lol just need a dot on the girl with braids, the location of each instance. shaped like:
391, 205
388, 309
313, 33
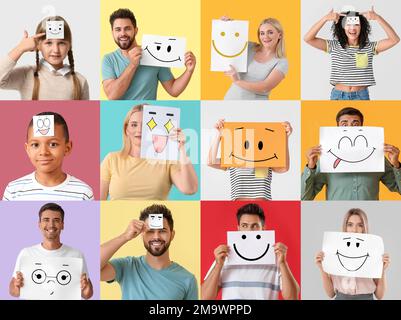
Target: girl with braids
50, 78
351, 50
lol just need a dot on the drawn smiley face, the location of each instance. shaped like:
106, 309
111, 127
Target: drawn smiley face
230, 38
155, 221
352, 147
51, 283
43, 126
353, 255
253, 145
160, 130
163, 51
254, 240
55, 29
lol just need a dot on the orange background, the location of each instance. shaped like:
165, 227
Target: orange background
316, 114
214, 85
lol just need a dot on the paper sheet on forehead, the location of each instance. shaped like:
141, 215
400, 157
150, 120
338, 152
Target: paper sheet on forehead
54, 29
352, 149
251, 247
155, 221
51, 278
43, 126
353, 254
229, 45
162, 51
157, 124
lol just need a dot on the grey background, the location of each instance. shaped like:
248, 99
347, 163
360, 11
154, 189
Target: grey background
384, 217
83, 19
216, 183
316, 63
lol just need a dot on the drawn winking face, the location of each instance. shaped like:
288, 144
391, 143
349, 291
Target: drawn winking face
160, 131
163, 50
155, 221
51, 283
353, 255
54, 29
352, 147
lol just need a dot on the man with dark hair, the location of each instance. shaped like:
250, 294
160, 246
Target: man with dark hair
152, 276
350, 186
257, 282
51, 223
124, 78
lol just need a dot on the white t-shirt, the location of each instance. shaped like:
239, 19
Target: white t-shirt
28, 188
37, 251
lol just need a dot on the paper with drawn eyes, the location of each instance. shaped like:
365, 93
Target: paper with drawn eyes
162, 51
229, 45
51, 278
157, 124
352, 149
43, 126
353, 254
155, 221
251, 247
54, 29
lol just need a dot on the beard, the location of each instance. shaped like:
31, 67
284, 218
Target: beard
126, 44
157, 252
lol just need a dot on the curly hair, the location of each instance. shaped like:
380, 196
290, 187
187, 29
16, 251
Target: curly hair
339, 32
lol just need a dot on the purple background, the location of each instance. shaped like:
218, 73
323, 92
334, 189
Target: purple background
19, 229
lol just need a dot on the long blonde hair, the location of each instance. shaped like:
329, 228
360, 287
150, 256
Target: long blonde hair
356, 212
126, 149
280, 47
41, 28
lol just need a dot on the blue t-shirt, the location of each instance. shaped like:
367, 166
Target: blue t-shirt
139, 281
145, 81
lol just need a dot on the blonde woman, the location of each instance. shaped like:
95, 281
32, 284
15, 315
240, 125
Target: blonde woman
49, 78
351, 288
124, 175
267, 64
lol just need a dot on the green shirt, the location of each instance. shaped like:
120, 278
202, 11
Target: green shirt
349, 186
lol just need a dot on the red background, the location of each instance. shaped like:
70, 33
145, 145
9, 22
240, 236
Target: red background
218, 217
82, 118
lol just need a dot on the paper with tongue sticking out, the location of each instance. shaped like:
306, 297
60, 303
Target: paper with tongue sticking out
352, 149
157, 124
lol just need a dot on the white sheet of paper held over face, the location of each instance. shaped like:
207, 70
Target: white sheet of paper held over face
352, 149
155, 221
353, 254
157, 124
43, 126
251, 247
162, 51
51, 278
54, 29
229, 45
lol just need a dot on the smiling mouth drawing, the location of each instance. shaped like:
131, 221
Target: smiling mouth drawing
247, 160
250, 259
352, 265
159, 143
147, 49
43, 131
338, 159
226, 55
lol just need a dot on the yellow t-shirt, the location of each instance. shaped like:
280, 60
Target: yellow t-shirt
135, 178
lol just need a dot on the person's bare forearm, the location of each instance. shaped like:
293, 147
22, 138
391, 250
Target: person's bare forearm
109, 248
327, 284
388, 29
381, 287
290, 288
117, 88
180, 84
212, 156
314, 30
210, 287
187, 173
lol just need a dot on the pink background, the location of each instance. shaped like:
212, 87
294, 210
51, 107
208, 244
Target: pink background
82, 118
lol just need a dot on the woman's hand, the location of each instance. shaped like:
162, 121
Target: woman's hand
219, 126
371, 14
319, 259
178, 135
232, 73
287, 127
333, 16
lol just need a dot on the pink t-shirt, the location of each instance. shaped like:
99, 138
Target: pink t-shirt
353, 286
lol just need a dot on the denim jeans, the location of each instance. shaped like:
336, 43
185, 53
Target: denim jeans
354, 95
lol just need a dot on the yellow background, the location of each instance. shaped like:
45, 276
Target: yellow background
180, 18
216, 84
184, 249
316, 114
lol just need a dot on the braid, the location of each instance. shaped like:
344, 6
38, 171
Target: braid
36, 82
77, 84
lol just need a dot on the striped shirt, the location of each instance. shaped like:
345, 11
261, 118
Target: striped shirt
351, 66
244, 184
28, 188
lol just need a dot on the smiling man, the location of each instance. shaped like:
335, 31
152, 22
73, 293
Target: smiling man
350, 186
51, 224
123, 76
152, 276
244, 282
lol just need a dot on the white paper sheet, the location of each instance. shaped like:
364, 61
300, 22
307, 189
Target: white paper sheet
43, 126
51, 278
251, 247
353, 254
162, 51
352, 149
157, 123
55, 29
229, 45
155, 221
